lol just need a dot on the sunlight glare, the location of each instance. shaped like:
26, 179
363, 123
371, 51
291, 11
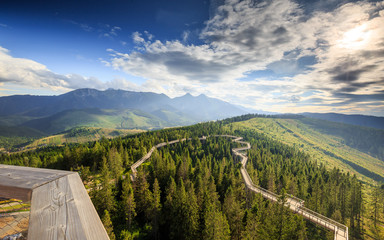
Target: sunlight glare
355, 38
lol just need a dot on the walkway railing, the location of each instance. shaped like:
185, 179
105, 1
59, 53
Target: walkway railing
294, 203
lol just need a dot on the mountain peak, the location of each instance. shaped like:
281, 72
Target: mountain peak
194, 108
82, 92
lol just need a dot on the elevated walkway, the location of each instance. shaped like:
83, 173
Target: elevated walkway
293, 203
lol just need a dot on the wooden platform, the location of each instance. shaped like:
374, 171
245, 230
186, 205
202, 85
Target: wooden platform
60, 205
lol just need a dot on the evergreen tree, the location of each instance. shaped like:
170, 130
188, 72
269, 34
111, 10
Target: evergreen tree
215, 224
234, 214
156, 209
115, 163
128, 202
103, 198
251, 229
106, 220
143, 197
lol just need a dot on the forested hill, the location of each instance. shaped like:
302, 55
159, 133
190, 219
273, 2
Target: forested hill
25, 118
194, 189
199, 108
360, 120
353, 148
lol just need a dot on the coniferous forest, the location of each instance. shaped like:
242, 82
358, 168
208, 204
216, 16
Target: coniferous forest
194, 189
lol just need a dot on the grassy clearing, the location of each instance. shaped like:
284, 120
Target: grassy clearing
80, 135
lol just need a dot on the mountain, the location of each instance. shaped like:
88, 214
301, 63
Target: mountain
38, 106
360, 120
111, 109
205, 108
95, 117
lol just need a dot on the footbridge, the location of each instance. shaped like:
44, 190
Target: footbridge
293, 203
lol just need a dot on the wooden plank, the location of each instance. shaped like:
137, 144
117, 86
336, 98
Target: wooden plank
89, 219
50, 212
62, 209
27, 177
23, 194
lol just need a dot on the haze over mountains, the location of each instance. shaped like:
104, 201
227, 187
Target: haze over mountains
110, 108
126, 110
355, 119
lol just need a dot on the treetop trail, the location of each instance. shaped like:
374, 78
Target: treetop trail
292, 202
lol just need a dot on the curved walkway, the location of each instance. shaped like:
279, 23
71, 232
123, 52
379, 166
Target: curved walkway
293, 203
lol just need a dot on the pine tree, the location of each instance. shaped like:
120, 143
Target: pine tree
169, 210
103, 197
128, 202
156, 209
216, 225
115, 163
192, 214
281, 217
251, 229
234, 214
106, 220
143, 197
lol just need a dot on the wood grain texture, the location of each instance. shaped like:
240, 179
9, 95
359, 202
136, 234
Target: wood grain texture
62, 209
60, 205
23, 194
89, 219
24, 179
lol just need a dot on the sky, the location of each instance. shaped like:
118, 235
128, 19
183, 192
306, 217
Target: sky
276, 55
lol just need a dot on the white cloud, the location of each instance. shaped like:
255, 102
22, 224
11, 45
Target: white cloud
245, 36
26, 72
109, 31
240, 38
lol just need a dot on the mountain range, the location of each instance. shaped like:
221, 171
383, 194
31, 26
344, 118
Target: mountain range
35, 116
110, 108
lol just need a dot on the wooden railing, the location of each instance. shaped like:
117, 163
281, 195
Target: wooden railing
60, 205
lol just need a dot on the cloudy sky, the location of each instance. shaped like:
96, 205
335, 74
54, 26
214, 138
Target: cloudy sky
275, 55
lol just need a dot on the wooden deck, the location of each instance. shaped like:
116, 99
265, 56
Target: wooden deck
60, 205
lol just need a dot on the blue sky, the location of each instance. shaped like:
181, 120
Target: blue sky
275, 55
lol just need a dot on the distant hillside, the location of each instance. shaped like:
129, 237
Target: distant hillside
28, 117
102, 118
199, 108
80, 135
360, 120
11, 136
333, 144
39, 106
205, 108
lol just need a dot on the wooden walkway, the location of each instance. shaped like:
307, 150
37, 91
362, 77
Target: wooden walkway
293, 203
